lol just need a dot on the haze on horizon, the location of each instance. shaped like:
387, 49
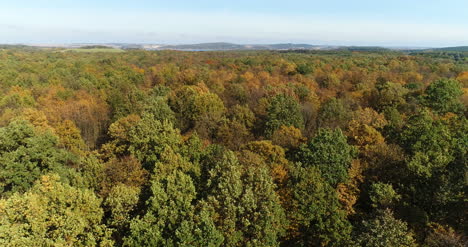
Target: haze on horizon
429, 23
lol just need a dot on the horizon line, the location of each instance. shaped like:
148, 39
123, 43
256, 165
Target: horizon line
216, 42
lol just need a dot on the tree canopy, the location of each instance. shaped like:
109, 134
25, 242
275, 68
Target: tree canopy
239, 148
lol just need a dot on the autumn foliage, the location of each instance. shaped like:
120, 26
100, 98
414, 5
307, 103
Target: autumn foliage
272, 148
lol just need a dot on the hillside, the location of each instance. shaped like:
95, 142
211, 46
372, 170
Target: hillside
224, 46
456, 48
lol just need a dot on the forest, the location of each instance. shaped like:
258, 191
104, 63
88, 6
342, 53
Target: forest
233, 148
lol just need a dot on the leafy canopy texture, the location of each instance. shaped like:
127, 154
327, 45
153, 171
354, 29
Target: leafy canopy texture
317, 218
283, 110
52, 214
330, 153
26, 154
444, 96
384, 230
171, 218
240, 148
247, 209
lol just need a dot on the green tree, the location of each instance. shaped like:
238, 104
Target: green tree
385, 231
428, 142
330, 152
304, 69
247, 209
171, 218
444, 96
283, 110
168, 221
333, 113
316, 215
388, 94
53, 214
158, 107
25, 155
435, 164
243, 115
120, 202
383, 195
145, 138
196, 108
150, 137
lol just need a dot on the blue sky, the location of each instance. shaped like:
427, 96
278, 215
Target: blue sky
329, 22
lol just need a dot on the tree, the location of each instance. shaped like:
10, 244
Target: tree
196, 107
232, 134
383, 195
316, 215
370, 117
91, 172
463, 78
428, 142
287, 137
37, 118
304, 68
17, 97
158, 107
444, 96
52, 214
26, 155
283, 110
272, 156
243, 115
127, 171
388, 94
363, 135
150, 137
384, 230
70, 136
168, 219
121, 105
333, 114
247, 209
234, 131
145, 138
119, 204
89, 112
329, 80
444, 236
436, 158
171, 218
120, 139
329, 152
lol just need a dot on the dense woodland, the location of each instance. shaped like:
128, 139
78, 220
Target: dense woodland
167, 148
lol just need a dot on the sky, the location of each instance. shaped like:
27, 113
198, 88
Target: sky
409, 23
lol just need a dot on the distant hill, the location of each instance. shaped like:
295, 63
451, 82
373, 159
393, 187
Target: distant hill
222, 46
96, 47
204, 46
456, 48
15, 47
365, 48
